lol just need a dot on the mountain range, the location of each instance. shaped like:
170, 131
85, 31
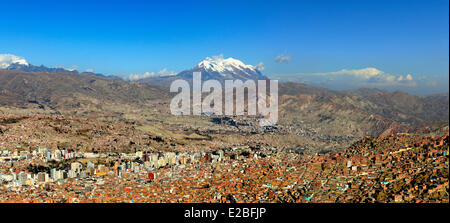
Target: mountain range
67, 91
215, 68
12, 62
307, 114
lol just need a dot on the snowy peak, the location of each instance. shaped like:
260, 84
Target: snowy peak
221, 65
221, 69
212, 68
13, 62
7, 59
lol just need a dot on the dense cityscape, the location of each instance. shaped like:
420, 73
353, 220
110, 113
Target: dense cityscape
396, 168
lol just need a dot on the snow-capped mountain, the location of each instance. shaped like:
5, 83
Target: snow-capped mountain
13, 62
220, 68
226, 66
213, 68
7, 60
42, 68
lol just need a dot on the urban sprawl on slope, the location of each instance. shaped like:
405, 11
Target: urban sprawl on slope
395, 168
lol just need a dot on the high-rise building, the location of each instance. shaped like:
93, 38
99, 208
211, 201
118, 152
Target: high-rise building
53, 173
59, 175
22, 177
41, 177
57, 154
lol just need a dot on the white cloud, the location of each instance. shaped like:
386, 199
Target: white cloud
135, 77
165, 72
409, 77
282, 59
373, 76
365, 73
74, 67
260, 66
365, 77
90, 70
162, 73
8, 59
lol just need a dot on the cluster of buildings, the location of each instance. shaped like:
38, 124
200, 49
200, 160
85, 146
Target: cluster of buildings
402, 168
395, 168
43, 153
16, 166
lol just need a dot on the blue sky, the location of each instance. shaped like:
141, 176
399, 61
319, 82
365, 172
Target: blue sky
121, 37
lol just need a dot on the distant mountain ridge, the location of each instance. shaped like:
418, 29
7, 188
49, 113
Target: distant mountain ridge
66, 91
7, 59
363, 111
13, 62
353, 112
215, 68
318, 115
42, 68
